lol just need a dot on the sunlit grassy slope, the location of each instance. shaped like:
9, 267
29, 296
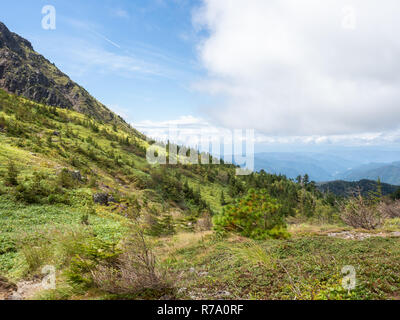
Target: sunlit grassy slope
47, 217
43, 141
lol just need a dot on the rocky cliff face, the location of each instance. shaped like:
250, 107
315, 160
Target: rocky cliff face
27, 73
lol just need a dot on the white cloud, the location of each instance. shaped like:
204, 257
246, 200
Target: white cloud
189, 128
290, 68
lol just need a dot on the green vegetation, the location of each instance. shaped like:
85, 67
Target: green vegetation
78, 194
303, 267
256, 216
346, 188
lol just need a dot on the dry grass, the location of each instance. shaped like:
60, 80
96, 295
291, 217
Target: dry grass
306, 228
135, 270
204, 223
390, 210
359, 213
169, 245
252, 252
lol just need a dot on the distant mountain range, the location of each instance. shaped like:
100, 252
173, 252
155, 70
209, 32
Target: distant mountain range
389, 173
323, 167
320, 167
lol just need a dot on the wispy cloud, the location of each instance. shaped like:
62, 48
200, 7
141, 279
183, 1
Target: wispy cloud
94, 56
90, 28
106, 39
120, 13
85, 57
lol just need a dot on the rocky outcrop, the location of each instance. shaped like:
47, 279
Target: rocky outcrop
26, 73
103, 198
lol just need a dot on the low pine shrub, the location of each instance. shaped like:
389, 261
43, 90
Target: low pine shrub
257, 216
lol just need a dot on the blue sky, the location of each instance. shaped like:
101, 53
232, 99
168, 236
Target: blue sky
302, 77
137, 57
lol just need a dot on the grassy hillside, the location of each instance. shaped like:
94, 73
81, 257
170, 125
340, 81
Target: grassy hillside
79, 194
46, 145
305, 267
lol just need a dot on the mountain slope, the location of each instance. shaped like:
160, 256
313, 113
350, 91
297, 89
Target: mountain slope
27, 73
67, 167
75, 186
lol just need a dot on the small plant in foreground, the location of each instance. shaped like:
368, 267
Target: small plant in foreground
257, 216
134, 271
358, 212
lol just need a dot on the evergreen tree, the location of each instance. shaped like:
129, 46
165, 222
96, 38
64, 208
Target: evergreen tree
166, 225
306, 180
223, 202
12, 174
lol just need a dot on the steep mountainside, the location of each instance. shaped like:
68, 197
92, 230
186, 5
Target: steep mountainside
27, 73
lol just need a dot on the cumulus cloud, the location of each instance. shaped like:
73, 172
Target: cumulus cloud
309, 68
186, 130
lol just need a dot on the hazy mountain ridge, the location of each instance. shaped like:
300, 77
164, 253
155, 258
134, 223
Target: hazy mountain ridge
322, 167
389, 173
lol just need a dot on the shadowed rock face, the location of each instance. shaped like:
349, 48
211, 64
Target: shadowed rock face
25, 72
13, 41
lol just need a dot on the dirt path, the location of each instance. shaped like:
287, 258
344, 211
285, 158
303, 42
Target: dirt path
355, 235
23, 290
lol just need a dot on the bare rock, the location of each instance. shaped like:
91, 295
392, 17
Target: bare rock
77, 175
111, 199
100, 198
104, 198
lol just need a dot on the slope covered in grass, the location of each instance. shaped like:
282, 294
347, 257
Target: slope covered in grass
304, 267
54, 164
47, 146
